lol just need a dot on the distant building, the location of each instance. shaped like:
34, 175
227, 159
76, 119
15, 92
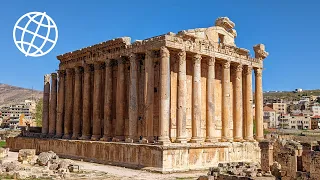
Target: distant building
315, 122
280, 107
283, 120
299, 122
269, 117
298, 90
316, 110
19, 113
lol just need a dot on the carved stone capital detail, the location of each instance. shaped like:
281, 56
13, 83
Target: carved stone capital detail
211, 61
182, 55
149, 54
133, 57
99, 66
54, 75
248, 70
61, 73
121, 60
70, 71
88, 68
239, 68
197, 58
258, 72
47, 78
164, 52
78, 70
226, 65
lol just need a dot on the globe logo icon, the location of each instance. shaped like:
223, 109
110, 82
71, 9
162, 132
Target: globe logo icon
35, 34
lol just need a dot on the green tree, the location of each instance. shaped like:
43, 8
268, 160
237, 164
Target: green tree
39, 113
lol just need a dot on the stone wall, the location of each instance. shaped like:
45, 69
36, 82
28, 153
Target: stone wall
176, 157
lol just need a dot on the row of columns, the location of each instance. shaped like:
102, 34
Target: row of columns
76, 102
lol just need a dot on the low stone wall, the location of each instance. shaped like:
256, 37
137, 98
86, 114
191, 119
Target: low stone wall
170, 158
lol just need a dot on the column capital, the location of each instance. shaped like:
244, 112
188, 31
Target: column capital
182, 55
164, 52
197, 58
226, 65
133, 56
98, 66
121, 60
69, 71
78, 70
247, 70
88, 68
54, 75
211, 61
47, 78
239, 67
149, 54
258, 72
61, 73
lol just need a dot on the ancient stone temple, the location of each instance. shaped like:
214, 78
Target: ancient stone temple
171, 102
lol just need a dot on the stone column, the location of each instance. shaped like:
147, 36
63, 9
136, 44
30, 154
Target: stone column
107, 122
77, 114
182, 100
53, 105
164, 96
120, 124
226, 101
258, 104
133, 100
45, 109
68, 115
196, 100
237, 105
210, 101
96, 130
148, 97
60, 111
248, 102
86, 103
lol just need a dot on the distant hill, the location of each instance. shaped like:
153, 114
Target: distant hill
12, 94
290, 95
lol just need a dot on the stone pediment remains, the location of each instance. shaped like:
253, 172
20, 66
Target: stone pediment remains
222, 32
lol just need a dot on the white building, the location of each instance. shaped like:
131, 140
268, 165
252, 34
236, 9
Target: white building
315, 110
269, 117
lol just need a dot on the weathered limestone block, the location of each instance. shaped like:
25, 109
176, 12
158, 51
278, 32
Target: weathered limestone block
46, 157
4, 152
26, 155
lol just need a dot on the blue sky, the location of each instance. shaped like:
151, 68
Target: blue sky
289, 29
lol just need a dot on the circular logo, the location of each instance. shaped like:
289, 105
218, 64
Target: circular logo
35, 34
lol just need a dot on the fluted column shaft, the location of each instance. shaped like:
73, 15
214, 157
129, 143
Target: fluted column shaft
237, 105
96, 130
164, 95
248, 102
226, 102
77, 114
53, 105
133, 100
258, 104
182, 94
69, 105
60, 110
107, 124
86, 103
210, 101
120, 124
45, 109
148, 97
196, 99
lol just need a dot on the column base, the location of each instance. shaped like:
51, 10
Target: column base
75, 136
211, 139
44, 135
58, 136
259, 138
85, 137
106, 138
50, 135
164, 140
118, 139
144, 140
250, 139
181, 140
238, 139
95, 137
224, 139
66, 136
195, 140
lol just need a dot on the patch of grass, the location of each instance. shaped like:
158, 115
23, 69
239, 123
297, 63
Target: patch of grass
2, 143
